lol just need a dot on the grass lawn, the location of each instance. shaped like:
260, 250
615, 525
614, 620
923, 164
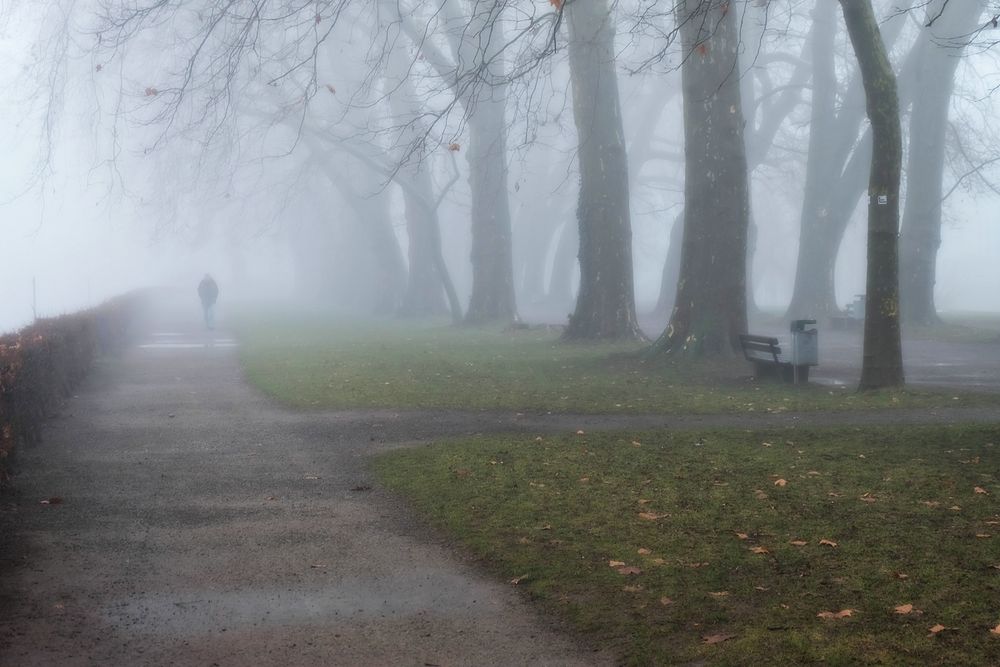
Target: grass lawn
730, 547
308, 361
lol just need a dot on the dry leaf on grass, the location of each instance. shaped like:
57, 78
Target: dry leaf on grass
981, 490
995, 631
632, 589
616, 563
652, 516
935, 629
798, 543
829, 543
904, 609
742, 536
719, 594
843, 613
781, 482
666, 601
643, 551
760, 495
516, 580
759, 550
580, 433
716, 639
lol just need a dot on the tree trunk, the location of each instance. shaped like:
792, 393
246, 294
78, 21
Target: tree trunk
671, 269
492, 266
882, 364
605, 305
940, 49
710, 308
479, 46
833, 183
813, 294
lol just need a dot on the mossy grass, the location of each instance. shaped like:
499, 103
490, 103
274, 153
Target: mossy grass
314, 362
911, 515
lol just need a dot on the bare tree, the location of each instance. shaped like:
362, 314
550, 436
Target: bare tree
605, 306
882, 365
710, 308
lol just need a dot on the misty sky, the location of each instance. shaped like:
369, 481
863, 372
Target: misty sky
85, 233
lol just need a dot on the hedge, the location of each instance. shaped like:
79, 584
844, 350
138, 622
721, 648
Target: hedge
41, 363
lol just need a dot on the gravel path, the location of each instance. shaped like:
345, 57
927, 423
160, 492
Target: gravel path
200, 524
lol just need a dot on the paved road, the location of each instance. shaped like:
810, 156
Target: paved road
201, 525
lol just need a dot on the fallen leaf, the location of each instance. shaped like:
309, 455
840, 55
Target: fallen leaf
651, 516
643, 551
644, 501
995, 631
516, 580
658, 561
331, 89
629, 569
843, 613
834, 494
936, 628
636, 443
761, 588
868, 498
900, 575
742, 536
616, 563
982, 536
318, 566
454, 148
814, 473
829, 543
780, 482
580, 433
759, 550
760, 495
666, 601
931, 503
523, 540
632, 589
904, 609
798, 543
716, 639
312, 477
54, 500
981, 490
719, 594
545, 526
584, 480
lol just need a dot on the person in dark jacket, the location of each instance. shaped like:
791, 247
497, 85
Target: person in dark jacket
208, 292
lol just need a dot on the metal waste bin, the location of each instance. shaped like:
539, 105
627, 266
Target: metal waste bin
805, 349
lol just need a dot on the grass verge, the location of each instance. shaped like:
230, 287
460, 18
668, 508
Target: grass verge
726, 546
309, 362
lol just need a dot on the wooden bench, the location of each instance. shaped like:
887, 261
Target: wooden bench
765, 355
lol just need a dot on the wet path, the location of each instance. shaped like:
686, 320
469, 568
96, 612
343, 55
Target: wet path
192, 522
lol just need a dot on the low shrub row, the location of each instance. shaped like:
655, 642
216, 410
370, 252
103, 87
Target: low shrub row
41, 363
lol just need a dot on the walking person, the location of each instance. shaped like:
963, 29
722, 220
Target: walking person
208, 292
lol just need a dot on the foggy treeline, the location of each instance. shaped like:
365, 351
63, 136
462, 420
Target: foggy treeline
687, 161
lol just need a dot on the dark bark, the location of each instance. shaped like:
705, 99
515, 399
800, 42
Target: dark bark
882, 364
710, 308
939, 52
605, 305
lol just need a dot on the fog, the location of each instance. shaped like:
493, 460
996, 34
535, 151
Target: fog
114, 178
